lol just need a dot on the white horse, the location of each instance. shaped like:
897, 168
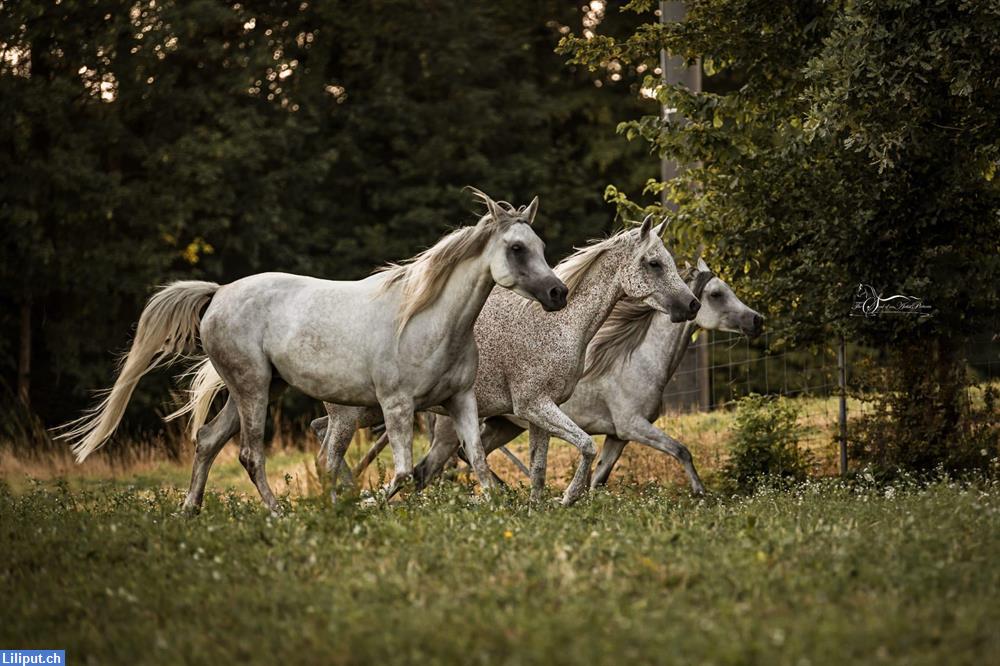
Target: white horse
401, 339
629, 364
531, 361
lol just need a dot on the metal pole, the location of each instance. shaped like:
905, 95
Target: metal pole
24, 355
704, 371
842, 381
674, 71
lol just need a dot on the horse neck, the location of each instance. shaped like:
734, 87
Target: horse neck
667, 343
594, 298
463, 296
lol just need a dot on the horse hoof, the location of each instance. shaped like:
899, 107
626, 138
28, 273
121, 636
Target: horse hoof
569, 500
189, 509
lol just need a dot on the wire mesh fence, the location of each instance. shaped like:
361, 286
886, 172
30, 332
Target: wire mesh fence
823, 381
721, 368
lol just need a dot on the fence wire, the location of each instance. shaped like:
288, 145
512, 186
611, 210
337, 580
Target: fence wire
734, 366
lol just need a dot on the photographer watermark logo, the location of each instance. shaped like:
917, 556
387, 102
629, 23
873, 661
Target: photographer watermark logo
869, 303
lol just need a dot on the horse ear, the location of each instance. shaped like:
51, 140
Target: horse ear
491, 206
659, 229
529, 212
702, 266
496, 212
646, 226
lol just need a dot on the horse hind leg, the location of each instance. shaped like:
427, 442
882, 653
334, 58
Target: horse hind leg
251, 390
209, 441
612, 451
342, 423
444, 444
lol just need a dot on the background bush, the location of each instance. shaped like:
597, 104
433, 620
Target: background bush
765, 444
921, 416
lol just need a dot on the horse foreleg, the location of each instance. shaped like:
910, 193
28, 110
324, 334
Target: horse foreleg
345, 421
465, 415
370, 455
546, 418
644, 432
538, 439
496, 432
398, 412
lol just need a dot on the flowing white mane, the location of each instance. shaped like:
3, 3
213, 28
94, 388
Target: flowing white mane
626, 327
422, 277
573, 268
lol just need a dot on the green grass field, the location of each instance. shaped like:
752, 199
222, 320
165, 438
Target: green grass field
825, 574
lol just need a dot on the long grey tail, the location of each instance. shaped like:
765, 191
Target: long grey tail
168, 329
205, 384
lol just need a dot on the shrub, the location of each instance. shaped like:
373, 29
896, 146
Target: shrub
765, 444
922, 418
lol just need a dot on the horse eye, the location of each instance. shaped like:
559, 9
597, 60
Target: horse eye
516, 247
716, 294
654, 263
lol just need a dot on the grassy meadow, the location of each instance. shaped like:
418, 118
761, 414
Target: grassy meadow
96, 560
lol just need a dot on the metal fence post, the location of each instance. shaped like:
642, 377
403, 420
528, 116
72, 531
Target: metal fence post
842, 382
704, 380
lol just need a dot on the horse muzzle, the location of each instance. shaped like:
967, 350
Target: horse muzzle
553, 296
752, 325
685, 312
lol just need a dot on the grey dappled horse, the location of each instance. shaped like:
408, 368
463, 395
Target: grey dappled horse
531, 360
629, 363
400, 339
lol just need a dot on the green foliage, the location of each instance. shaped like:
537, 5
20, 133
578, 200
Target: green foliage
764, 446
925, 422
836, 143
192, 139
828, 572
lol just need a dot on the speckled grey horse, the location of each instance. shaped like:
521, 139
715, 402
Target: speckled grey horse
530, 361
629, 363
400, 339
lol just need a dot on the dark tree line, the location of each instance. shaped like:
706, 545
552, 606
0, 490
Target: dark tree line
835, 143
148, 141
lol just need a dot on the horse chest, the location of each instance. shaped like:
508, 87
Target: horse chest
456, 377
554, 375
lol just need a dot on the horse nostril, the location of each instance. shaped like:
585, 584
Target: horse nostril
695, 305
758, 322
558, 293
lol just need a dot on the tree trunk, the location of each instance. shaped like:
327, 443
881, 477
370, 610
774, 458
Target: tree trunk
24, 357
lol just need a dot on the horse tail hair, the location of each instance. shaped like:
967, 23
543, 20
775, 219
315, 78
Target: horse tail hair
205, 385
168, 329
